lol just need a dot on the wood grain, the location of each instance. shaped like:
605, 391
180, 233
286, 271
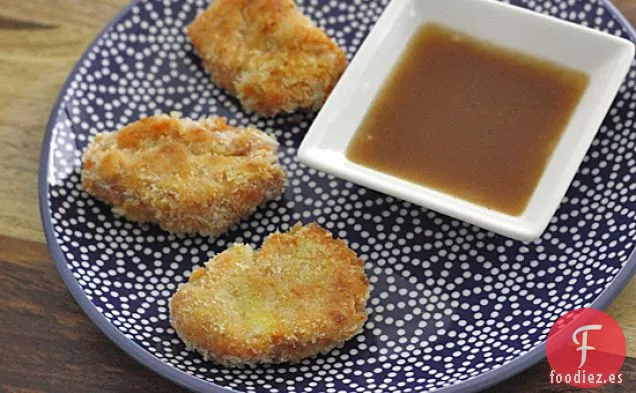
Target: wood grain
623, 309
628, 8
41, 40
46, 342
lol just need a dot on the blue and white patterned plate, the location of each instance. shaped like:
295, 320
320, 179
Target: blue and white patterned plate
453, 308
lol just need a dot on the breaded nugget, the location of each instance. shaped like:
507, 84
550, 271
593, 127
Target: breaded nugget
187, 176
301, 294
268, 54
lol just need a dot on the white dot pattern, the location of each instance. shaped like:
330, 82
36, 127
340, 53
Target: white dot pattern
449, 301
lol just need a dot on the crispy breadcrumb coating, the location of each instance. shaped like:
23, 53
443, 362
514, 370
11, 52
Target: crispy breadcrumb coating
301, 294
187, 176
268, 54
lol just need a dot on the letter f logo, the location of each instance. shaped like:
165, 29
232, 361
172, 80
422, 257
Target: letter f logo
583, 344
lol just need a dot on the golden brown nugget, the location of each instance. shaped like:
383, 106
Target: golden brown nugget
268, 54
301, 294
187, 176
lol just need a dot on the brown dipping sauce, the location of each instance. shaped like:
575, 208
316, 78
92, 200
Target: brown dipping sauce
468, 118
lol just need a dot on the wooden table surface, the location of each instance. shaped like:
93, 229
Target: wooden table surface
46, 343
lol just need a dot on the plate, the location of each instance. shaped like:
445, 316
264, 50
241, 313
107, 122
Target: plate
453, 308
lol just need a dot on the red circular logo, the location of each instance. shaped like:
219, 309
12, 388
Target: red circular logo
586, 349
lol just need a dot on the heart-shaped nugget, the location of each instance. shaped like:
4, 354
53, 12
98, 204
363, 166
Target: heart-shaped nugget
301, 294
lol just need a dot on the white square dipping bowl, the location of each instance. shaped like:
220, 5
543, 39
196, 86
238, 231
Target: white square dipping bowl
604, 57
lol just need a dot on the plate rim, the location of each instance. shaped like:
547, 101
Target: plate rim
183, 379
